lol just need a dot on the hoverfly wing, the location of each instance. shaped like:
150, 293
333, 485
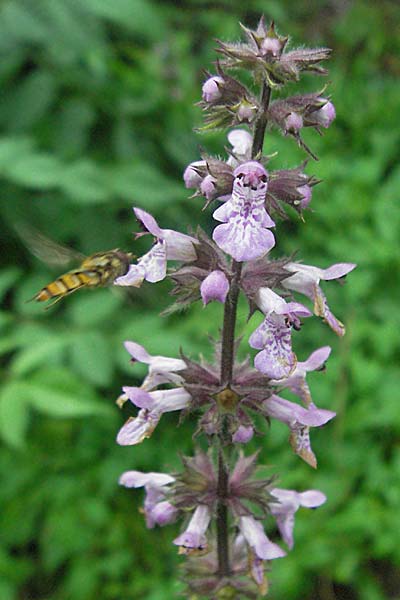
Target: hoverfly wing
46, 249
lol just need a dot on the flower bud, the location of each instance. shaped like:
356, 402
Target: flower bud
306, 192
211, 89
214, 287
271, 46
325, 115
246, 111
192, 175
207, 187
293, 123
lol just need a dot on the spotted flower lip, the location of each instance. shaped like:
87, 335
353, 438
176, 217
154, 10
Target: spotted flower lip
287, 504
305, 280
296, 382
162, 369
157, 510
256, 538
170, 245
152, 405
194, 539
273, 337
244, 232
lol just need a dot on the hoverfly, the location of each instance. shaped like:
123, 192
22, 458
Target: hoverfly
97, 270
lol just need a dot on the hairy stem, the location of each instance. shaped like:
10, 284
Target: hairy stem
227, 361
222, 518
261, 123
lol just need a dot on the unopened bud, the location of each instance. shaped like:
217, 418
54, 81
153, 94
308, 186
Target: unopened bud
306, 192
192, 176
246, 112
293, 123
214, 287
211, 89
207, 187
325, 115
271, 46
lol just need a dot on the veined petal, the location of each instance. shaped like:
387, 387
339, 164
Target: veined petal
276, 360
243, 233
243, 240
155, 262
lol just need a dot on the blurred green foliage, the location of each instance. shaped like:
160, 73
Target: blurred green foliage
96, 115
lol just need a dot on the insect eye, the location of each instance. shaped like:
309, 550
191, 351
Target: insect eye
263, 178
240, 176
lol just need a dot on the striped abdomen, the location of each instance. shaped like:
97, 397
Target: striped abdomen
97, 270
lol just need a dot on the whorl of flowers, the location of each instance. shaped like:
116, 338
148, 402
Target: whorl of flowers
225, 505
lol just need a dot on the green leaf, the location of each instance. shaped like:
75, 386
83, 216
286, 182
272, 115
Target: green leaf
48, 350
14, 414
39, 170
91, 357
58, 403
7, 279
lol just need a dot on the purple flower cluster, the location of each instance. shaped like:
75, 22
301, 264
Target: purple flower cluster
226, 506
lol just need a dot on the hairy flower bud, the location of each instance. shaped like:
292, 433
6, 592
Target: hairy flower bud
211, 90
194, 174
214, 287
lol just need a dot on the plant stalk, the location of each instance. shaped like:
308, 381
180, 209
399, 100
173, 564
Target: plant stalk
227, 361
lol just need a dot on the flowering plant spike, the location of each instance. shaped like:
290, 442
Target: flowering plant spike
227, 511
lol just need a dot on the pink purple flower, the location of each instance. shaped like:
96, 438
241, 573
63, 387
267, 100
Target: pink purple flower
193, 539
274, 337
157, 510
255, 536
299, 420
306, 278
244, 234
288, 503
296, 382
170, 245
152, 405
162, 369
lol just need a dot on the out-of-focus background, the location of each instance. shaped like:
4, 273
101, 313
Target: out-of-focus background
96, 115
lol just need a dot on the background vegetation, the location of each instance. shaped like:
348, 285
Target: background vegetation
96, 115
